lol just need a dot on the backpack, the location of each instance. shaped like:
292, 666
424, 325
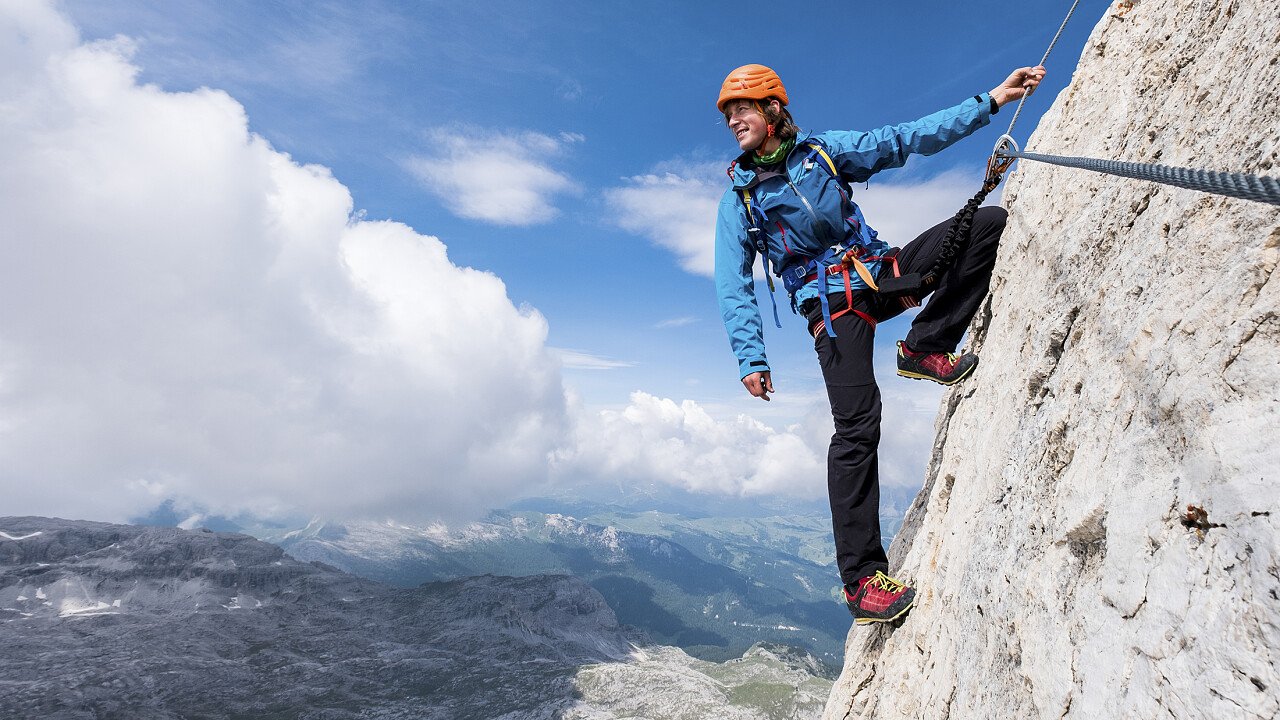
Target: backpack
835, 260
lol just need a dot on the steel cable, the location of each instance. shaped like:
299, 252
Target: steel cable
957, 238
1043, 60
1238, 185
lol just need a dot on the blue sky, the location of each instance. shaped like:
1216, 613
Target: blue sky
571, 149
358, 87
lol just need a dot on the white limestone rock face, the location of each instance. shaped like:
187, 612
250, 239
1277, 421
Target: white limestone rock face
1130, 367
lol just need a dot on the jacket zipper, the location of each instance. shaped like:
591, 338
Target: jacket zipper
817, 224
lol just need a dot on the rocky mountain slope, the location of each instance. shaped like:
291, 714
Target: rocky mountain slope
664, 683
712, 587
1130, 368
103, 620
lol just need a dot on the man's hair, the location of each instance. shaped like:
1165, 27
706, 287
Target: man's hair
784, 127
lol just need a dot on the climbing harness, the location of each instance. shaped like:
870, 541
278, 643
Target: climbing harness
886, 287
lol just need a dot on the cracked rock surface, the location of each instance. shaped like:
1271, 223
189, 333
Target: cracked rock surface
1130, 368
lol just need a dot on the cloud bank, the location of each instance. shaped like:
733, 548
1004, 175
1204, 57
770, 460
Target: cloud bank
683, 445
499, 178
191, 314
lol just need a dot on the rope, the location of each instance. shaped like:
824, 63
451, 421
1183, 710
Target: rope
1043, 60
1238, 185
958, 233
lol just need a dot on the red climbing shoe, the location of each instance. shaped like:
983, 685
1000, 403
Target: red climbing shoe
879, 598
943, 368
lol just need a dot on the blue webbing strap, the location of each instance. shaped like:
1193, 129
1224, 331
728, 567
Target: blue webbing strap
820, 267
764, 257
757, 237
822, 300
818, 264
794, 279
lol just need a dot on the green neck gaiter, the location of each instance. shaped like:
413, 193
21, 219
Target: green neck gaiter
776, 155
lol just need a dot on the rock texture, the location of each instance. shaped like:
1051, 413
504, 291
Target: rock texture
663, 683
1130, 367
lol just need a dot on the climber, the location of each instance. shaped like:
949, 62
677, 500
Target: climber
790, 203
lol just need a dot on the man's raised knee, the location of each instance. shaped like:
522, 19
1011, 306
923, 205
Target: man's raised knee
988, 225
992, 215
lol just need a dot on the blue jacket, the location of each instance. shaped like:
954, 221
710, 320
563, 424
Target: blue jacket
805, 217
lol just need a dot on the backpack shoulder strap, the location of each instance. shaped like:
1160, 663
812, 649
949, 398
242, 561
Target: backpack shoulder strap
826, 159
746, 201
846, 191
757, 235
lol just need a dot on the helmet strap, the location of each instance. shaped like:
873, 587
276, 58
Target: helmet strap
768, 126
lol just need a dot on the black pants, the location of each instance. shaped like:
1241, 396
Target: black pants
853, 480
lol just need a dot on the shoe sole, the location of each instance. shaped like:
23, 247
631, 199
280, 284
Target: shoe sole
903, 611
918, 376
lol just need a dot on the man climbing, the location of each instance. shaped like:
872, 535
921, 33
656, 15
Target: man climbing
790, 203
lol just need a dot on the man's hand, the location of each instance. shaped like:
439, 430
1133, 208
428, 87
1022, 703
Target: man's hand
1022, 82
758, 384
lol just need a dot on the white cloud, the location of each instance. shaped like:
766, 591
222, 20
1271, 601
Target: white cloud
500, 178
569, 89
676, 322
683, 445
578, 360
675, 207
193, 315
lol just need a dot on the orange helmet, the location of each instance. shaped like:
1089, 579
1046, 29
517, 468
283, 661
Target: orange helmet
751, 82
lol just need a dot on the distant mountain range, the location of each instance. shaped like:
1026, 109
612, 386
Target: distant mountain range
102, 620
710, 584
714, 591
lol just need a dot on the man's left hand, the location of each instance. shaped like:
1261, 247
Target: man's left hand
1022, 82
